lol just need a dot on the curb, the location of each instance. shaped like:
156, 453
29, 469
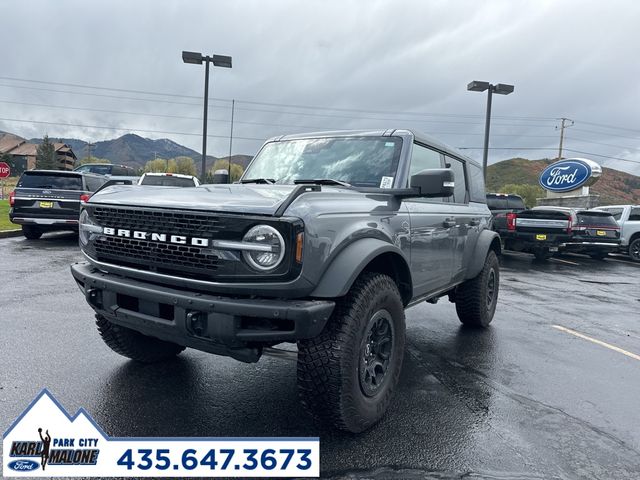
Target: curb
10, 233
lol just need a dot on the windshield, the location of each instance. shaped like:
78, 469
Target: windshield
359, 161
167, 181
50, 181
101, 169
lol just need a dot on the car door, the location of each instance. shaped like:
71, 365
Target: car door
432, 244
465, 221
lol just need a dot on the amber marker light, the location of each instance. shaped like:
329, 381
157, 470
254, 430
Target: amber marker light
299, 243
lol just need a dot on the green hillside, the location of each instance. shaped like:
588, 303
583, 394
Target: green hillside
614, 186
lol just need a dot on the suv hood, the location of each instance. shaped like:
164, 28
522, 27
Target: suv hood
234, 198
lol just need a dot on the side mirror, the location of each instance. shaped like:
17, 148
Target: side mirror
221, 176
433, 183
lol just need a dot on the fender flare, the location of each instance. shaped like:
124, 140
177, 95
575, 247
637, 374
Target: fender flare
487, 240
349, 263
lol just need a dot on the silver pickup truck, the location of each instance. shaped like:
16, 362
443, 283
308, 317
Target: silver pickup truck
628, 217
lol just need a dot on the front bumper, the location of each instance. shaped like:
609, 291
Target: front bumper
224, 325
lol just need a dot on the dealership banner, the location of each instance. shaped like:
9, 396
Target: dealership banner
45, 441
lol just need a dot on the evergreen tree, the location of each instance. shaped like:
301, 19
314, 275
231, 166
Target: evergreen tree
46, 158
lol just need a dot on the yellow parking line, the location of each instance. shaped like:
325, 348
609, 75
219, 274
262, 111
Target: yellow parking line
596, 341
564, 261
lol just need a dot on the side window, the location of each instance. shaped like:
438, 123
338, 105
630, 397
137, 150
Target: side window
476, 183
94, 183
423, 158
634, 216
460, 190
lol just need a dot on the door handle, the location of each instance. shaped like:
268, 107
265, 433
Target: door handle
474, 222
449, 222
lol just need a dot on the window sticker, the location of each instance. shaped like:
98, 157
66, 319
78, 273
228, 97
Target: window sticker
386, 182
390, 144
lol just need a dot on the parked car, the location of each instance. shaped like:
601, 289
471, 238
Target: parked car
540, 232
593, 232
49, 200
168, 180
325, 241
106, 169
500, 205
628, 217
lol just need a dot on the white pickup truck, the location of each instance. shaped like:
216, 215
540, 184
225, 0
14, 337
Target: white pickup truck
628, 217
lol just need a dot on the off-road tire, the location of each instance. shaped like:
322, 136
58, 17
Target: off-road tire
542, 254
31, 232
634, 249
329, 366
472, 304
135, 345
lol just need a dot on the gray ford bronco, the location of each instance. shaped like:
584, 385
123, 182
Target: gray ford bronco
324, 242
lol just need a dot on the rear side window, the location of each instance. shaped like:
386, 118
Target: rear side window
460, 189
596, 218
94, 183
476, 183
50, 181
634, 216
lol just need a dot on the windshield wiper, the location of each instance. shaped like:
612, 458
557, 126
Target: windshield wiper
323, 181
268, 181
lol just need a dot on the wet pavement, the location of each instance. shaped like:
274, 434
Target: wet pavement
526, 398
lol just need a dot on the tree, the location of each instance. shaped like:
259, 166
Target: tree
185, 166
46, 157
222, 164
529, 193
94, 160
159, 165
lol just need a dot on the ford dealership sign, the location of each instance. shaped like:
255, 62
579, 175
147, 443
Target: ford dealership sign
569, 174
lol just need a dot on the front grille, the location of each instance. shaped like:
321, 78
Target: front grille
177, 223
143, 251
188, 260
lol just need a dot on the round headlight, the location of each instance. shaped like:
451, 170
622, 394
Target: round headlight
264, 247
86, 227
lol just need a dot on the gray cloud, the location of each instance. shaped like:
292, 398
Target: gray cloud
575, 59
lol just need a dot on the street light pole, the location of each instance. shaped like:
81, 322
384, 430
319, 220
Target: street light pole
500, 89
218, 61
203, 170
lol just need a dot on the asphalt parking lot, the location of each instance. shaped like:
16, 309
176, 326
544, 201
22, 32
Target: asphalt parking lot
550, 390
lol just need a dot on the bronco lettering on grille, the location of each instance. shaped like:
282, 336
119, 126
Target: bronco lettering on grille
156, 237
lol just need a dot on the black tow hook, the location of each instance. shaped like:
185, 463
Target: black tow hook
94, 297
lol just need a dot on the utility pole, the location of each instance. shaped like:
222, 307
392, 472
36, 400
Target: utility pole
563, 125
89, 145
233, 108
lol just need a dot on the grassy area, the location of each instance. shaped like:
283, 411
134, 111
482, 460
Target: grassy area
5, 224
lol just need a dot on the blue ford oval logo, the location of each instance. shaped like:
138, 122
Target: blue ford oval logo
565, 175
23, 465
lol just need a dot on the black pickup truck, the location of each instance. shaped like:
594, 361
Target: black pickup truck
49, 200
546, 230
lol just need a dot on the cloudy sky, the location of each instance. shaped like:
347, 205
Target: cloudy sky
96, 70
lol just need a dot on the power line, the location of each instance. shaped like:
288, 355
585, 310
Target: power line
609, 126
600, 143
553, 148
124, 129
605, 133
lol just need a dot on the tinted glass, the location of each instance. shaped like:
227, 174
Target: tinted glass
423, 158
100, 169
616, 212
476, 183
515, 202
94, 183
596, 218
460, 189
496, 203
50, 181
165, 181
360, 161
634, 216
